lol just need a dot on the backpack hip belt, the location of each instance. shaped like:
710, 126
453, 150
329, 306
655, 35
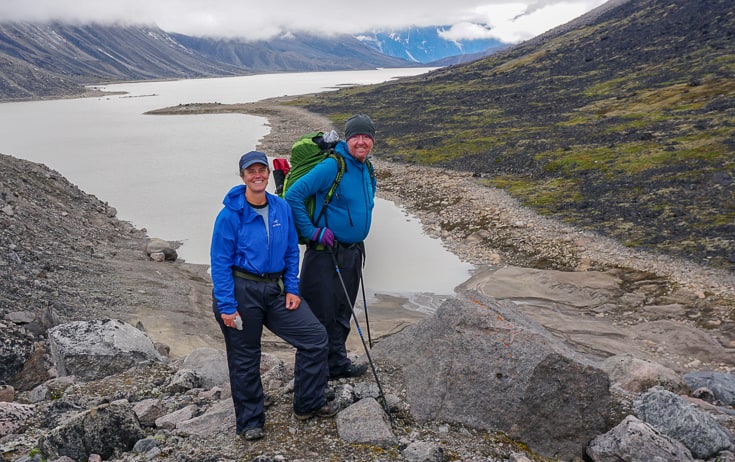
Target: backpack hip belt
338, 245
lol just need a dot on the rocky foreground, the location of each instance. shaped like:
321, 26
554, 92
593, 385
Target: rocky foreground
65, 257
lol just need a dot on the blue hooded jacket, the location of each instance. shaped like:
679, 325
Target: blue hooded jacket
349, 214
239, 240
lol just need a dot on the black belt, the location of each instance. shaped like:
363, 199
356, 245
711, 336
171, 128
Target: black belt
264, 277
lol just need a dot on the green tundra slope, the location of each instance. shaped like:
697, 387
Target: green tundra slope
622, 121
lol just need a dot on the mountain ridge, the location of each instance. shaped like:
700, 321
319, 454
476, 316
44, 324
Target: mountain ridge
58, 60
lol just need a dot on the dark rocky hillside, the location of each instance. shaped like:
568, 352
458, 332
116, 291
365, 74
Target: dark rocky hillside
622, 122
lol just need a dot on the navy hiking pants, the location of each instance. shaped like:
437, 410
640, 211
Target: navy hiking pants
262, 304
321, 287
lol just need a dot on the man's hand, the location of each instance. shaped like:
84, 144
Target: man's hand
323, 236
292, 301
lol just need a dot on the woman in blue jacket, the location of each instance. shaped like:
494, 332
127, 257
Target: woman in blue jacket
254, 264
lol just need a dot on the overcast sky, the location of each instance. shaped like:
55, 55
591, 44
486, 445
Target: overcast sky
506, 20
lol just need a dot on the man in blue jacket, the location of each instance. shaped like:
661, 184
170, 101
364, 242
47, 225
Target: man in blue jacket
339, 233
254, 264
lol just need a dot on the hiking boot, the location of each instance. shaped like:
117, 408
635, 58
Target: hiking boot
251, 434
353, 370
329, 409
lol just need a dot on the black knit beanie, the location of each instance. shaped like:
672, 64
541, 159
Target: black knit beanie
359, 124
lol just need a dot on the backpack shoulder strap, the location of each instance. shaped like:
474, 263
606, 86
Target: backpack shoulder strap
341, 168
370, 167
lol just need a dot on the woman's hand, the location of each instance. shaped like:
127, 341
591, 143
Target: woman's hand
229, 319
292, 301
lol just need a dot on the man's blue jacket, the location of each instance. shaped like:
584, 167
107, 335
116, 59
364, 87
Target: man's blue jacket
349, 214
239, 240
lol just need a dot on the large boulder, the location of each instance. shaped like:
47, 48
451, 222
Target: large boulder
209, 365
638, 375
101, 430
479, 362
95, 349
675, 417
209, 422
365, 422
15, 349
160, 250
634, 440
720, 384
14, 417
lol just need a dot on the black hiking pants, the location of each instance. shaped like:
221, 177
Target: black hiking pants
263, 304
322, 289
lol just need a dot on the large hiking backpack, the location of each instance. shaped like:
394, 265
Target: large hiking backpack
306, 153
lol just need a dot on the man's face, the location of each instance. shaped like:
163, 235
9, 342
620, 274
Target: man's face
360, 146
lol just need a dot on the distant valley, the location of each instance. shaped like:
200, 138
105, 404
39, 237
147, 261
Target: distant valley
57, 60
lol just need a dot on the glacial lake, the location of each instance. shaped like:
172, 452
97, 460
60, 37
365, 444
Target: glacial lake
168, 174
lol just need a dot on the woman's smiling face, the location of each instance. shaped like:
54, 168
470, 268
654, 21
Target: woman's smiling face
255, 177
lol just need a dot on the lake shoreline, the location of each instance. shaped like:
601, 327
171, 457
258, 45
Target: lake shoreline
528, 239
522, 256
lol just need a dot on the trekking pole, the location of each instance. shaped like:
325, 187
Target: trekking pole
364, 306
359, 331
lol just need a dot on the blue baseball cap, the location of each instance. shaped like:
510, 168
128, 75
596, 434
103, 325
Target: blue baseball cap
253, 157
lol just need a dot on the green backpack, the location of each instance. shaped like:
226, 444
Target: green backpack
306, 153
